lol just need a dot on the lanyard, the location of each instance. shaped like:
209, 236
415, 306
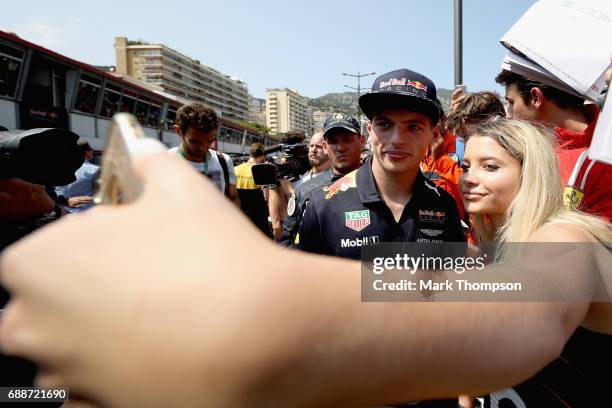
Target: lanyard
182, 153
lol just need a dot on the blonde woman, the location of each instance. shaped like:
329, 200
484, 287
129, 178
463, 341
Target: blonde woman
525, 198
512, 190
278, 328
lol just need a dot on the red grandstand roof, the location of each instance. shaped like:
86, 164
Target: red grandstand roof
16, 39
91, 69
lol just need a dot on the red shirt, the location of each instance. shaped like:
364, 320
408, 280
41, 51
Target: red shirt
588, 184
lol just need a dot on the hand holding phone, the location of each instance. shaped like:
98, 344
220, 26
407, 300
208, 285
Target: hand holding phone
462, 88
458, 95
117, 182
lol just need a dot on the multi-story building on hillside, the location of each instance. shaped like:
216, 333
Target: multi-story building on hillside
286, 110
183, 76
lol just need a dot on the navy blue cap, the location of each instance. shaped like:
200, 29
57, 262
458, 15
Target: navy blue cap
403, 89
340, 120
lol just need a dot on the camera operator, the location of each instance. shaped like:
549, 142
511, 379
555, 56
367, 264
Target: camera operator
24, 207
49, 157
279, 195
30, 160
343, 143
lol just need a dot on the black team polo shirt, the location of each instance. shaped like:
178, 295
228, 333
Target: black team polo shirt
350, 214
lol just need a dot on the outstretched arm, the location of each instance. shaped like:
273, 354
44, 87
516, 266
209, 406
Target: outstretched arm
166, 311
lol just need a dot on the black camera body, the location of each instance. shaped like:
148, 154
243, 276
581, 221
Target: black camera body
44, 156
291, 164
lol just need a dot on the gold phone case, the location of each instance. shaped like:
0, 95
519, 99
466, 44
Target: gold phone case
118, 183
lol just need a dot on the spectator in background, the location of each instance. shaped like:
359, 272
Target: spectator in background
78, 195
252, 200
473, 109
587, 183
365, 155
318, 158
196, 124
441, 166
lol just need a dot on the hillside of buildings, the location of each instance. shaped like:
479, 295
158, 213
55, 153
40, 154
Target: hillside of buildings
345, 102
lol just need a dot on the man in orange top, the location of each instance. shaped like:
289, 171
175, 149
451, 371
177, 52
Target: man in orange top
441, 166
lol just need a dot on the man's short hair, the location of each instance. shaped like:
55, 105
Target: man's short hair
475, 108
257, 150
198, 116
84, 145
524, 86
294, 136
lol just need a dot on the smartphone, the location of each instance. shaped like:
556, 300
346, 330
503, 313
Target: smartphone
462, 87
118, 182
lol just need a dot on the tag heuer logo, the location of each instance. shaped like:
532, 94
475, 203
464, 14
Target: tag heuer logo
357, 220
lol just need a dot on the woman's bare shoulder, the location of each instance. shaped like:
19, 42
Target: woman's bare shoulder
559, 231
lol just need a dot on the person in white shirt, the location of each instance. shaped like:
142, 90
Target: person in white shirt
78, 195
197, 126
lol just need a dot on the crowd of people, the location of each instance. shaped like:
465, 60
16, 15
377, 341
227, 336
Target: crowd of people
178, 300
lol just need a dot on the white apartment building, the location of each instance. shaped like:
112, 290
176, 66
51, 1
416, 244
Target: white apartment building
286, 110
257, 110
318, 118
183, 76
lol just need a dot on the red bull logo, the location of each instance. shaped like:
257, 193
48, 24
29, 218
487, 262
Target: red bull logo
417, 85
393, 82
403, 82
343, 184
432, 216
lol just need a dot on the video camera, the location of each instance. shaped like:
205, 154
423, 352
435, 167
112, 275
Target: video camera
44, 156
292, 164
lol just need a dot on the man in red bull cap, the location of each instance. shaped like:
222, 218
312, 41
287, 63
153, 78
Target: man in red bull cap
387, 199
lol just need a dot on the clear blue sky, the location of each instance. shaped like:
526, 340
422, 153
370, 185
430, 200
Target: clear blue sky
303, 45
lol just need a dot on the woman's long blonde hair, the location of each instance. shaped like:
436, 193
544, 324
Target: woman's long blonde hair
540, 196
